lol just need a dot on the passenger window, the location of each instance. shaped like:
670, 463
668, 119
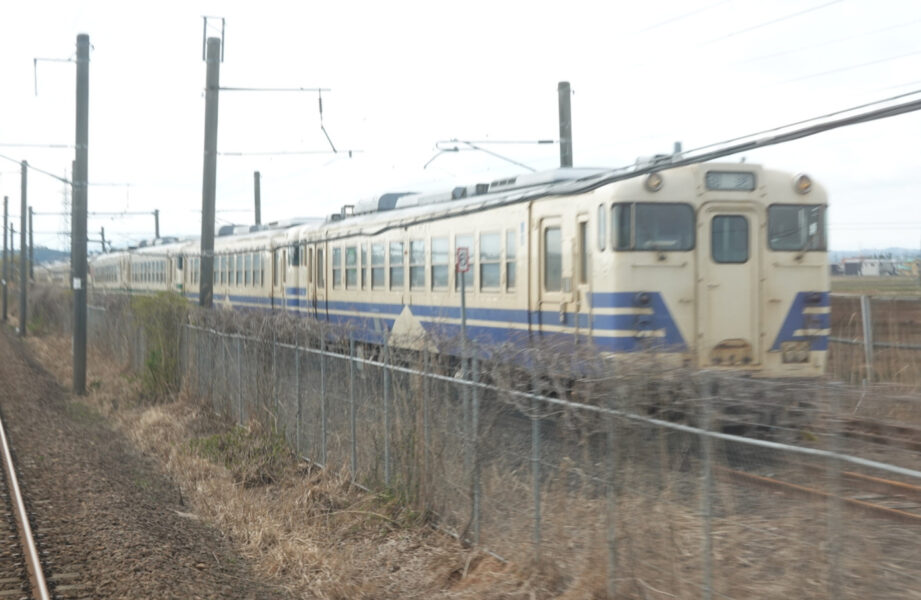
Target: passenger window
378, 261
729, 239
417, 265
337, 268
621, 225
351, 267
553, 260
396, 266
490, 260
247, 268
440, 262
465, 241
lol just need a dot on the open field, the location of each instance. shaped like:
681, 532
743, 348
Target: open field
883, 285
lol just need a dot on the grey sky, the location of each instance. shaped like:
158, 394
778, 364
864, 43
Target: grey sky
405, 75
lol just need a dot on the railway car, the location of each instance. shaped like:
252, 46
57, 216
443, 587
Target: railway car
716, 265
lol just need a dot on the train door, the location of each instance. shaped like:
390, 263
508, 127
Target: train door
317, 296
582, 276
279, 278
729, 281
553, 279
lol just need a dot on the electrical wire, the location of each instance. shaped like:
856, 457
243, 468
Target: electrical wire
769, 23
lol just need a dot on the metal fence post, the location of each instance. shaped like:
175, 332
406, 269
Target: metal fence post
275, 371
240, 379
323, 398
297, 392
474, 440
611, 500
710, 392
535, 468
353, 454
866, 318
387, 410
834, 508
426, 433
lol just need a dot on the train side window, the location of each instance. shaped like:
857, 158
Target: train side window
310, 265
729, 239
247, 268
584, 256
621, 226
321, 269
511, 254
553, 260
351, 267
796, 228
295, 255
378, 261
490, 261
238, 269
417, 265
276, 269
663, 227
440, 262
465, 241
364, 266
397, 267
260, 270
337, 267
602, 226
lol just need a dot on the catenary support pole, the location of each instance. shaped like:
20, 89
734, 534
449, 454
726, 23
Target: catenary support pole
78, 219
564, 92
23, 271
209, 179
156, 214
102, 235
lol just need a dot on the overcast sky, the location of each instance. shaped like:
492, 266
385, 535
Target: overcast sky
406, 75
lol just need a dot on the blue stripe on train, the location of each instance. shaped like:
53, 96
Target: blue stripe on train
798, 319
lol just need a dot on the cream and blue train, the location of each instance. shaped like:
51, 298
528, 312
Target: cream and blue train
718, 265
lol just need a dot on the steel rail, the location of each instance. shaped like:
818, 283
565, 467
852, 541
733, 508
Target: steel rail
33, 565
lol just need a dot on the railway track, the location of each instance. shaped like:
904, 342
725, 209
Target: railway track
875, 496
20, 569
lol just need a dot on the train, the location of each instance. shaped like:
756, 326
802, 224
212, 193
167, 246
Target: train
714, 265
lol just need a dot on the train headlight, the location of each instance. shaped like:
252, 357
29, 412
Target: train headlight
653, 182
802, 183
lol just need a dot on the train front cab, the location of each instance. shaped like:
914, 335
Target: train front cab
762, 281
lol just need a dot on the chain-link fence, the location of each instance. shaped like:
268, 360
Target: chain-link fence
875, 339
617, 479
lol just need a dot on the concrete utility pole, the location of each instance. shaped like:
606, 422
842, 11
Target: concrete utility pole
6, 256
78, 220
157, 223
23, 272
102, 234
258, 197
564, 92
209, 179
31, 249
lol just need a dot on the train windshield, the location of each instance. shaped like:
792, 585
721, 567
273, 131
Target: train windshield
796, 228
653, 226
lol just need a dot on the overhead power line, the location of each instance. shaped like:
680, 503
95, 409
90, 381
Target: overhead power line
771, 22
775, 136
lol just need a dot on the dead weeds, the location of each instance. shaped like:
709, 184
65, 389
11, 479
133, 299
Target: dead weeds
305, 528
